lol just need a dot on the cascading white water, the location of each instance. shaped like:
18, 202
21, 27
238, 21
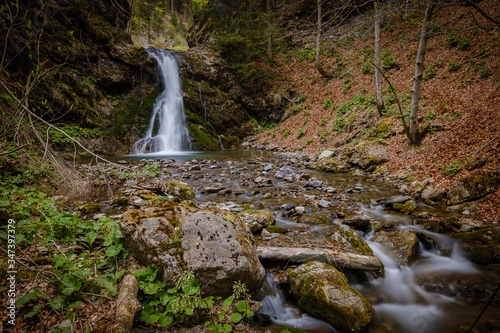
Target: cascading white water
168, 112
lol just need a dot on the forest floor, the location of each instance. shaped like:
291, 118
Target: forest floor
460, 94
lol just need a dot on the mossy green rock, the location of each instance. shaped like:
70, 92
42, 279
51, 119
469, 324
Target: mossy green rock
335, 164
275, 229
179, 190
474, 187
121, 201
257, 219
384, 126
90, 208
323, 291
407, 208
403, 243
483, 246
347, 238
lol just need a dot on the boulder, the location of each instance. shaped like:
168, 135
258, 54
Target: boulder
407, 208
347, 238
257, 219
323, 292
179, 190
474, 187
483, 246
366, 157
359, 222
403, 243
434, 194
337, 164
397, 199
215, 244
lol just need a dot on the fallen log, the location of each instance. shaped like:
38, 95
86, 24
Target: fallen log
302, 255
127, 303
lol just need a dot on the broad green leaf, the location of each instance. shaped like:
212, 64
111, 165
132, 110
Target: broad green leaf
235, 317
26, 298
4, 203
57, 302
75, 304
165, 321
222, 315
228, 301
35, 310
227, 328
243, 306
150, 317
71, 285
113, 250
189, 311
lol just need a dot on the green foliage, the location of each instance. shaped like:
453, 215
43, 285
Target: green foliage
453, 41
306, 121
429, 73
300, 133
309, 141
327, 103
323, 122
152, 170
339, 124
301, 99
75, 131
453, 66
344, 108
305, 54
177, 304
287, 132
452, 169
88, 267
368, 69
388, 60
430, 115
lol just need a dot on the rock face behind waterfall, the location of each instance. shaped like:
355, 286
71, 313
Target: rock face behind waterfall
323, 291
216, 245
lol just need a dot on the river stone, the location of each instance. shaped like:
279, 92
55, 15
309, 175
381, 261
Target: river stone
474, 187
323, 292
358, 222
434, 194
215, 244
483, 246
337, 164
257, 219
397, 199
403, 243
179, 190
407, 208
369, 156
347, 238
325, 154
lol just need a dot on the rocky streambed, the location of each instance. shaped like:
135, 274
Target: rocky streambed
362, 250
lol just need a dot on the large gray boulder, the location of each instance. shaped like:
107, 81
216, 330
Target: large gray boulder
215, 244
323, 292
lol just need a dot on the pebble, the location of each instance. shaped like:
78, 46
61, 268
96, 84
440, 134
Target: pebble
288, 206
324, 204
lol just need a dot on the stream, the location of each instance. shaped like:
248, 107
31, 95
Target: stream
438, 292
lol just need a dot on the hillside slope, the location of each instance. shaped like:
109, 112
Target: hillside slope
460, 97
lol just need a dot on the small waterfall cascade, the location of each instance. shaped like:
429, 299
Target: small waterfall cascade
167, 131
274, 306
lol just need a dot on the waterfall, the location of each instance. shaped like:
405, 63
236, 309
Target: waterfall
168, 118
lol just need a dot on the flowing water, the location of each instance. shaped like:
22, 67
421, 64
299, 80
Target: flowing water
167, 131
436, 293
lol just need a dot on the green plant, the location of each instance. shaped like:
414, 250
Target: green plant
152, 169
344, 108
452, 169
451, 41
301, 99
453, 66
309, 141
323, 122
429, 73
388, 60
305, 121
300, 133
367, 68
327, 103
339, 124
287, 132
463, 45
431, 114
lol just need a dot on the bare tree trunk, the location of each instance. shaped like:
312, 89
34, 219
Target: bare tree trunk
269, 41
318, 36
172, 6
378, 78
419, 69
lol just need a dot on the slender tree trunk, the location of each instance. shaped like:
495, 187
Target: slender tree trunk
269, 41
419, 69
318, 36
378, 78
172, 6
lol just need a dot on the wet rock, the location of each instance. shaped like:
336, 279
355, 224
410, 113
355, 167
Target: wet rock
257, 219
225, 192
230, 206
266, 235
407, 208
179, 190
212, 189
331, 190
474, 187
347, 238
90, 208
120, 201
146, 195
268, 167
483, 246
467, 225
288, 206
397, 199
434, 194
314, 184
275, 229
358, 222
325, 154
403, 243
366, 157
337, 164
323, 291
216, 245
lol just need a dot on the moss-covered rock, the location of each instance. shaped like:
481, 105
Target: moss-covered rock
275, 229
407, 208
257, 219
384, 126
90, 208
324, 292
482, 246
335, 164
474, 187
179, 190
120, 201
403, 243
347, 238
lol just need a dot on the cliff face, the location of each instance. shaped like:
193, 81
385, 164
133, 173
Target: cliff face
75, 62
